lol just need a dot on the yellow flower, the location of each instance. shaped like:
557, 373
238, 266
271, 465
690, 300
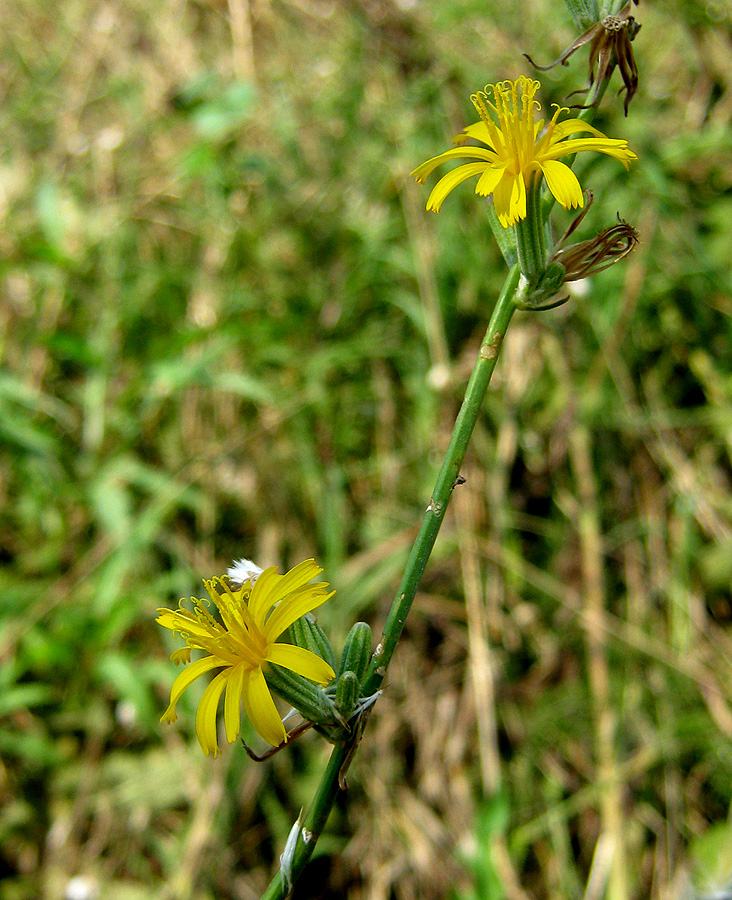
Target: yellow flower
241, 645
517, 149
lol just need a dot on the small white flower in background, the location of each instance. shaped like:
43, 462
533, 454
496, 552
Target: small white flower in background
579, 288
80, 888
126, 714
243, 570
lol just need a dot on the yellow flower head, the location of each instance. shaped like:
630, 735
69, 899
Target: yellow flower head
241, 645
517, 149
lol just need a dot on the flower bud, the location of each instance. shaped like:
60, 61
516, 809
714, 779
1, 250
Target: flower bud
306, 633
576, 261
308, 698
347, 693
356, 651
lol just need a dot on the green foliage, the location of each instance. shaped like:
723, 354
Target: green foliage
492, 819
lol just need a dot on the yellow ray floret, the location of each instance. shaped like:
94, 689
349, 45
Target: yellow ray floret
241, 645
518, 148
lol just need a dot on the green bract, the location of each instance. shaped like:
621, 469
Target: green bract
308, 634
584, 12
356, 651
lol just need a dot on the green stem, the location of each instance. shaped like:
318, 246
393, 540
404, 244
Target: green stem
530, 234
454, 456
312, 825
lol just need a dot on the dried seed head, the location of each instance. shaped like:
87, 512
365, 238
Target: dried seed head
600, 252
610, 45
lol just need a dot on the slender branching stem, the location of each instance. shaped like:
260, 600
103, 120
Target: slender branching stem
446, 480
314, 821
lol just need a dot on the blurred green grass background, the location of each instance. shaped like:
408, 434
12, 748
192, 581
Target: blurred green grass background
229, 328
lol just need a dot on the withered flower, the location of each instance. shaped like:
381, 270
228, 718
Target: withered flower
600, 252
610, 45
570, 263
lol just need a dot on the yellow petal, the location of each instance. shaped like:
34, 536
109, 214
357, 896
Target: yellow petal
207, 712
263, 593
299, 576
292, 607
421, 172
273, 588
181, 656
563, 183
232, 703
185, 679
501, 199
518, 197
479, 132
574, 126
509, 197
617, 149
302, 661
488, 180
260, 708
450, 181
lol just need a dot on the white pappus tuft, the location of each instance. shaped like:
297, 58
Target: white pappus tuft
243, 570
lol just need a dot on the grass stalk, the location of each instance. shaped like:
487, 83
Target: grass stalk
479, 651
591, 557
